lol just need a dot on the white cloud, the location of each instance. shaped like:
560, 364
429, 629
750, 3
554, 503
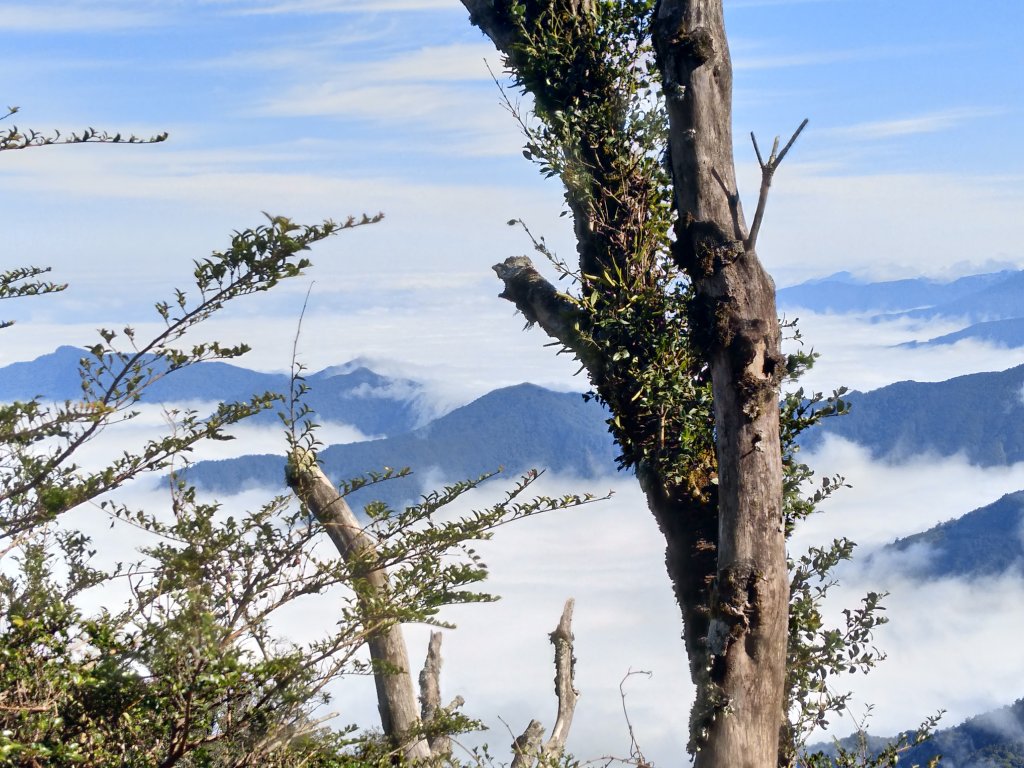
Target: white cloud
884, 225
744, 60
943, 624
946, 650
739, 4
456, 62
891, 500
72, 18
931, 122
332, 6
427, 87
846, 342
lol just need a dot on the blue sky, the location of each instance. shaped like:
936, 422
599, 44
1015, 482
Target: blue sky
911, 165
315, 108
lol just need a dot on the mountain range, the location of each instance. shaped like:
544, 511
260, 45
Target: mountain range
980, 415
514, 428
1000, 333
990, 293
350, 394
987, 541
992, 740
991, 305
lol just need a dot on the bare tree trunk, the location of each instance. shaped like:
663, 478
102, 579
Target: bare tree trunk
736, 298
396, 699
725, 543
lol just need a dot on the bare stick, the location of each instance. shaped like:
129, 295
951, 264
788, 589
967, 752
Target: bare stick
767, 171
430, 696
566, 692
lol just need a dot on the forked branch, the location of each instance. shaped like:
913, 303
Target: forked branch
527, 748
767, 172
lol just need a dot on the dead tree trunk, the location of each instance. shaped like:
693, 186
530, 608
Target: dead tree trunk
735, 299
719, 505
396, 699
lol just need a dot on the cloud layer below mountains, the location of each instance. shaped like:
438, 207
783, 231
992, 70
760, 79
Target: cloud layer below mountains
947, 640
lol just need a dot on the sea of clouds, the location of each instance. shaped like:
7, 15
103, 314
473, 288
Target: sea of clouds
945, 640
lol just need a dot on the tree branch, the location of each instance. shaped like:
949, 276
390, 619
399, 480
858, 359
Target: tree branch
567, 694
526, 747
430, 697
767, 172
482, 14
543, 305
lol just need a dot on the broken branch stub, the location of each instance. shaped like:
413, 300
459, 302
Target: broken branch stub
527, 748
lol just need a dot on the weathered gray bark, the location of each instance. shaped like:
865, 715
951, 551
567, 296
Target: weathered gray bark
396, 699
430, 697
725, 546
530, 747
748, 631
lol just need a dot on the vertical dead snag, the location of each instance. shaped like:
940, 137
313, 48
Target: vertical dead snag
527, 749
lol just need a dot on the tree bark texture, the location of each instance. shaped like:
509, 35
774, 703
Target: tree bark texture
724, 531
735, 298
529, 748
396, 698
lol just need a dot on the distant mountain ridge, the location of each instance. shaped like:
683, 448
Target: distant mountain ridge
980, 416
994, 739
917, 297
991, 304
518, 428
1001, 299
1002, 333
987, 541
350, 394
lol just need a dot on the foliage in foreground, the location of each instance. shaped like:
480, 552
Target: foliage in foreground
194, 668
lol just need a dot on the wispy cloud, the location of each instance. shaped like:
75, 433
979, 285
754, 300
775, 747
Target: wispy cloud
738, 4
445, 91
931, 122
255, 7
73, 18
749, 61
436, 63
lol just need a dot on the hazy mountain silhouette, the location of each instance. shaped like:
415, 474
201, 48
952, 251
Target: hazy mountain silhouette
350, 394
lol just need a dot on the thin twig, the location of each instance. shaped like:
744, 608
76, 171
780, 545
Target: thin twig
634, 748
767, 171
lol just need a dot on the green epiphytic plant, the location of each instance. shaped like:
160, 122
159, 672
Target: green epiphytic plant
599, 124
